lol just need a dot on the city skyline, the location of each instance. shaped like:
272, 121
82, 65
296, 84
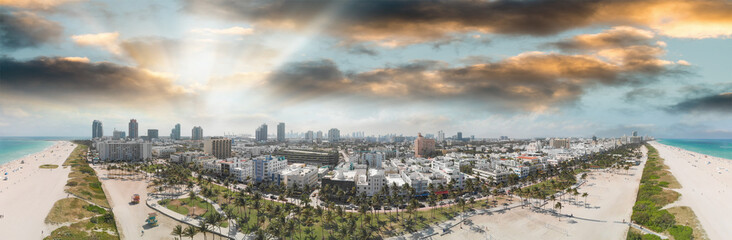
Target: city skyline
554, 69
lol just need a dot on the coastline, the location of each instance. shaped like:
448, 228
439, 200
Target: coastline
30, 191
705, 183
702, 146
19, 159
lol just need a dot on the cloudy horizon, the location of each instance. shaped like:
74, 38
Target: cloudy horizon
486, 68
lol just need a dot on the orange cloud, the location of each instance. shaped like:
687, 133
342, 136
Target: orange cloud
109, 41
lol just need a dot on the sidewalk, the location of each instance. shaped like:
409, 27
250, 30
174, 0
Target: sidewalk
227, 232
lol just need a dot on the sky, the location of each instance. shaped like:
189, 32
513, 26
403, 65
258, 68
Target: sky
486, 68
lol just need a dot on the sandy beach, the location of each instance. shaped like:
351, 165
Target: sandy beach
610, 201
30, 192
705, 187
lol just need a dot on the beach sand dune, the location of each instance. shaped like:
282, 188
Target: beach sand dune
705, 187
610, 201
29, 193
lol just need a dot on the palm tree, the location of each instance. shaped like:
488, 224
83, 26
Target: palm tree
177, 231
190, 232
559, 206
203, 227
585, 196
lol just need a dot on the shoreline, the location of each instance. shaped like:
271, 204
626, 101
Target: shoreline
705, 182
30, 192
694, 151
55, 142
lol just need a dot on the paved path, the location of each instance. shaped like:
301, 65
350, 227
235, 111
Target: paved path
231, 233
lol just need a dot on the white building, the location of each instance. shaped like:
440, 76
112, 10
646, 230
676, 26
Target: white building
301, 175
188, 157
267, 168
369, 182
124, 151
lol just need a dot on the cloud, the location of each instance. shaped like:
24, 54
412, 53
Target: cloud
35, 4
532, 81
109, 41
360, 49
25, 29
643, 93
616, 37
719, 103
237, 31
399, 23
61, 79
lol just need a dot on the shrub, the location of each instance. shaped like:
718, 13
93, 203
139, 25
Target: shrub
680, 232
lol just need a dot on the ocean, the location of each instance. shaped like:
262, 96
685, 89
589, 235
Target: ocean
12, 148
713, 147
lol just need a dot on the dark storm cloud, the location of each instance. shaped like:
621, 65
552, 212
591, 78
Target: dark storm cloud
401, 22
25, 29
62, 79
719, 103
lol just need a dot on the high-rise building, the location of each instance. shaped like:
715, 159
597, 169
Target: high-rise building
309, 136
175, 133
124, 151
97, 131
559, 143
423, 146
440, 136
260, 135
152, 134
334, 135
281, 132
218, 146
635, 133
117, 135
197, 133
319, 136
459, 136
133, 129
268, 169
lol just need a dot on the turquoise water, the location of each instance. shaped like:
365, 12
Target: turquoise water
712, 147
12, 148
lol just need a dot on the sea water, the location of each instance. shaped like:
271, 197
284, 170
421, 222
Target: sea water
713, 147
12, 148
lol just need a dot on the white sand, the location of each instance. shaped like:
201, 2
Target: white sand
131, 218
611, 198
703, 187
29, 193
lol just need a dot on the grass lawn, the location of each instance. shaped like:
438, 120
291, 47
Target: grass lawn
185, 206
48, 166
68, 210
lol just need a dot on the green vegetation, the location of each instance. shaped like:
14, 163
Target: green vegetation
684, 215
652, 196
83, 181
88, 221
69, 210
634, 234
48, 166
103, 229
680, 232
